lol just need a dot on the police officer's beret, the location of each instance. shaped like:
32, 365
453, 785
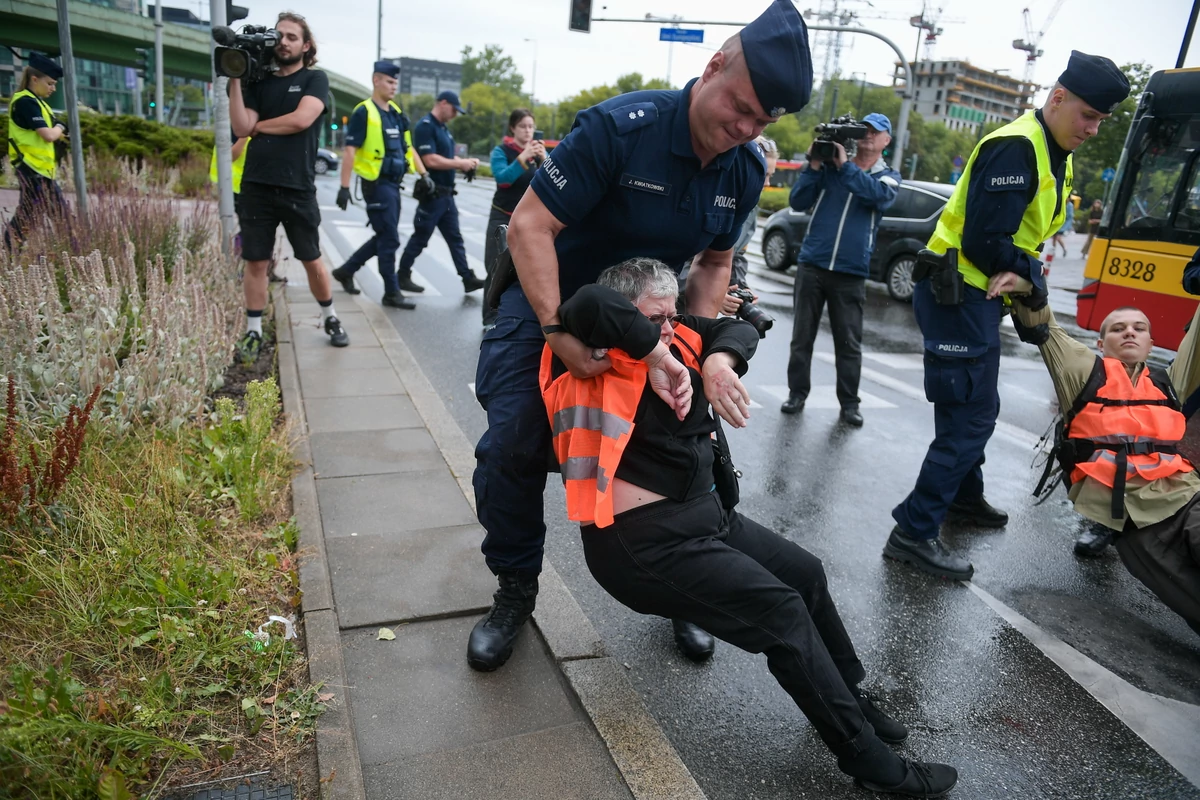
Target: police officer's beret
45, 65
1096, 80
776, 50
389, 68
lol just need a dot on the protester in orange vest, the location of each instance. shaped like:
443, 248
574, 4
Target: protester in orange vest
1123, 423
656, 499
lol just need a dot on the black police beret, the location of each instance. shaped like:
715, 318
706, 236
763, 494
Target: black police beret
389, 68
1096, 80
776, 50
45, 65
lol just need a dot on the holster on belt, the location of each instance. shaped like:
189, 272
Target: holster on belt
504, 271
947, 283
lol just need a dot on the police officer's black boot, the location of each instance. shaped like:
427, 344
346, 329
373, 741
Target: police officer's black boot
694, 642
979, 511
407, 285
345, 279
492, 638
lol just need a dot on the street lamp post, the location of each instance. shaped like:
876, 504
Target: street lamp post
533, 83
379, 34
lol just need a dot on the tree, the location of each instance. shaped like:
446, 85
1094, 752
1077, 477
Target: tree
490, 66
482, 129
1104, 149
632, 82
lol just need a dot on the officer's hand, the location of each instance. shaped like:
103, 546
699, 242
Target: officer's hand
670, 380
577, 356
468, 164
724, 389
1036, 334
63, 125
1002, 283
343, 198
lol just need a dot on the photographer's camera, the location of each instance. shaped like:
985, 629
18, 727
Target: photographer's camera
751, 312
844, 130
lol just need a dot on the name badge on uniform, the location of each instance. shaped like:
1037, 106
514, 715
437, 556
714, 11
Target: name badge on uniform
645, 185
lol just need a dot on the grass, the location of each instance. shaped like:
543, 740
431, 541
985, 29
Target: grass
128, 608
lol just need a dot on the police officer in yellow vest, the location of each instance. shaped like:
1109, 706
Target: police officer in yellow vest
238, 151
1010, 199
32, 132
378, 150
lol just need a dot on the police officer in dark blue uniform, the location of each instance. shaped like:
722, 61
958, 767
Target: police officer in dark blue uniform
1011, 198
376, 147
435, 147
662, 174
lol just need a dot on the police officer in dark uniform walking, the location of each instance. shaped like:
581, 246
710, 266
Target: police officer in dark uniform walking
435, 147
661, 174
1010, 199
377, 142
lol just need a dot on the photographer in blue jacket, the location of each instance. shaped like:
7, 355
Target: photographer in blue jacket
848, 197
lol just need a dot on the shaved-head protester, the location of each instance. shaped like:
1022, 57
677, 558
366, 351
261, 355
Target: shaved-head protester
1123, 422
661, 174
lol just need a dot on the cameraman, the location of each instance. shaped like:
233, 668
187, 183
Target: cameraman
847, 198
282, 111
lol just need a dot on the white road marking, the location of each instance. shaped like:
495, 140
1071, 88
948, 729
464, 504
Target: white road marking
915, 361
357, 235
825, 397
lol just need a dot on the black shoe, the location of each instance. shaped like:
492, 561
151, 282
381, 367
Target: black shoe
337, 334
922, 779
851, 416
492, 638
929, 555
886, 728
472, 283
979, 512
407, 285
397, 300
793, 405
1094, 540
346, 280
694, 642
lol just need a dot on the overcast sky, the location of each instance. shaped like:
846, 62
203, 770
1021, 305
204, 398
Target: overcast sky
979, 31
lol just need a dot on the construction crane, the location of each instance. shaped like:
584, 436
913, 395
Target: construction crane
1031, 44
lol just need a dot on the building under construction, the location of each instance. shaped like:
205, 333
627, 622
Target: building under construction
964, 97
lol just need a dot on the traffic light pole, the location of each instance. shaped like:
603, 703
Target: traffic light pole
68, 65
158, 62
224, 144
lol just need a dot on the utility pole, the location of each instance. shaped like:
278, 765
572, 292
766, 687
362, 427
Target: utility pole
158, 62
379, 34
68, 59
533, 84
1187, 36
223, 143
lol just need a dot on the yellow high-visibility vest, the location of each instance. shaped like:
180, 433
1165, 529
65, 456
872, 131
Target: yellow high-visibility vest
368, 157
25, 146
1041, 217
239, 166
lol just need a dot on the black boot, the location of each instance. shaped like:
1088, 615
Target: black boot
492, 638
793, 405
407, 285
471, 283
886, 728
694, 642
1094, 540
979, 512
929, 555
397, 300
345, 279
879, 769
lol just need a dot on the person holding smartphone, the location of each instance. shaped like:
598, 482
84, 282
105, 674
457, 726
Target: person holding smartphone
514, 161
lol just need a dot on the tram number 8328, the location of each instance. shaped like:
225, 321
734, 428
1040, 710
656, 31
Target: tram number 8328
1125, 268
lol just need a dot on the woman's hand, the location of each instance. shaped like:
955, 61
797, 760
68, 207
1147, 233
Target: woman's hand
724, 389
670, 380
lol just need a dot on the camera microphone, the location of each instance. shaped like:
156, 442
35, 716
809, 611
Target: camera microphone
224, 36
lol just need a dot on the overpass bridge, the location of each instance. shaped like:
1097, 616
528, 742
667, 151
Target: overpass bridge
105, 34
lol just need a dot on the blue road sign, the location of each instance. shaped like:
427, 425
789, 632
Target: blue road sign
695, 36
1108, 174
954, 176
958, 162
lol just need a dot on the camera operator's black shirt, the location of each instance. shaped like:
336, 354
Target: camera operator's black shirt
285, 160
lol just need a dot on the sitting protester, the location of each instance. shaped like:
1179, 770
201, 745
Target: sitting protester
1118, 447
654, 493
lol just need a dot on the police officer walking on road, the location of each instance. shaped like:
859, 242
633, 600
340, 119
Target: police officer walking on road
377, 138
1010, 199
660, 174
435, 146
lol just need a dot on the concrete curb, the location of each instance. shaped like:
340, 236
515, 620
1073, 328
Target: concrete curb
337, 751
645, 757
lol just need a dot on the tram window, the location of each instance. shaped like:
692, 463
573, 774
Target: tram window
1188, 218
1157, 180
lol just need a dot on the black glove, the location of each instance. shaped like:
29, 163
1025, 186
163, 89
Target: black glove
1036, 335
343, 198
424, 189
59, 122
469, 174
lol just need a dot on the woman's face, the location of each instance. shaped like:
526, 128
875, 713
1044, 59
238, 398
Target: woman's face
523, 131
662, 311
42, 85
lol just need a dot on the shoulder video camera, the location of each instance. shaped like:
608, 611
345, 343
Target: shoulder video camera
249, 55
844, 130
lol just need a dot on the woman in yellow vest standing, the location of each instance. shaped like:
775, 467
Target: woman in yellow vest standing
1010, 199
32, 132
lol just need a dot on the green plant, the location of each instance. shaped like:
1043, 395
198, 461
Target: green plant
773, 198
484, 171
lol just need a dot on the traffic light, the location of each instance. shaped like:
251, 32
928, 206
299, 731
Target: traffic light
333, 126
144, 62
581, 16
234, 13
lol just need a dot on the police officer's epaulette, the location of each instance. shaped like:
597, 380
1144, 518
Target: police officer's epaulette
753, 147
634, 116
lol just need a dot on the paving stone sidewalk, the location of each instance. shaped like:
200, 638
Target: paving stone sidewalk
389, 539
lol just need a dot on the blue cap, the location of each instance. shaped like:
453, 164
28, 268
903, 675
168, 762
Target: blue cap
452, 99
45, 65
389, 68
1096, 80
776, 50
879, 122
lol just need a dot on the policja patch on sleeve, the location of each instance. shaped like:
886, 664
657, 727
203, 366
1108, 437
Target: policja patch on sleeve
1006, 181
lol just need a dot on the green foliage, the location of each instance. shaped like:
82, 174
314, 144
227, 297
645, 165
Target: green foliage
1104, 149
773, 199
141, 139
490, 66
415, 106
485, 170
632, 82
487, 123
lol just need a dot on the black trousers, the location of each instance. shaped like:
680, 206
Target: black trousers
1165, 557
844, 294
40, 197
747, 586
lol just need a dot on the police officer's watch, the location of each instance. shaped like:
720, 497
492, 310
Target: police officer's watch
549, 329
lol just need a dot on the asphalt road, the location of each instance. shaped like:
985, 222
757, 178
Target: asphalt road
1028, 680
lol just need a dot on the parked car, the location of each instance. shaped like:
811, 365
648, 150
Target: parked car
903, 232
327, 161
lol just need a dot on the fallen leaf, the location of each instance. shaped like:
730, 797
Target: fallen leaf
269, 700
385, 634
325, 698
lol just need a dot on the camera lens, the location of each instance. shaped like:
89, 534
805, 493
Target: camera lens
232, 63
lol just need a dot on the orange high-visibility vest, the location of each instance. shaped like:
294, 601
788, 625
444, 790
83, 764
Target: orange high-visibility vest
1121, 429
592, 420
